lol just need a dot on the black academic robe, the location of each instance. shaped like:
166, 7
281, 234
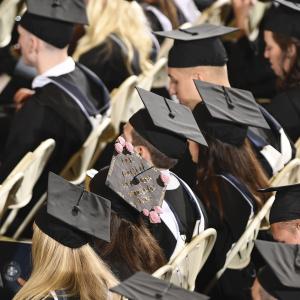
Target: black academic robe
186, 213
285, 108
109, 61
50, 113
229, 227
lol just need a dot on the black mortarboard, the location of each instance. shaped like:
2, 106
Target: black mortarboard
281, 277
226, 113
15, 262
142, 286
197, 46
284, 18
53, 20
286, 206
73, 215
166, 124
136, 181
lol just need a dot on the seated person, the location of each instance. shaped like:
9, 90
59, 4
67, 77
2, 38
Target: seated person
52, 110
282, 37
206, 60
285, 226
162, 145
118, 42
132, 247
228, 177
64, 264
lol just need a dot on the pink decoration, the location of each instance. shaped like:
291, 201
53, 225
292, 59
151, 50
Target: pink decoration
119, 148
154, 217
158, 209
165, 178
146, 212
121, 140
129, 147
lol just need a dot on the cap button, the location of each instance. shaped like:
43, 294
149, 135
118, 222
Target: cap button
171, 115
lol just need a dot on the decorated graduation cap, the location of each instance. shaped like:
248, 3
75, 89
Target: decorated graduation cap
72, 215
284, 18
226, 113
286, 206
53, 20
166, 124
197, 46
281, 277
135, 180
142, 286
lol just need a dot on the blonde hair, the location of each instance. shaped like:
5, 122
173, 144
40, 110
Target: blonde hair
79, 272
126, 20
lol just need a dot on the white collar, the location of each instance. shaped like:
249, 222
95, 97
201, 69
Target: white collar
65, 67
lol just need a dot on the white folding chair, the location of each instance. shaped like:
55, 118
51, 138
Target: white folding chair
189, 261
8, 191
164, 272
119, 99
8, 12
76, 168
239, 256
297, 146
290, 174
32, 166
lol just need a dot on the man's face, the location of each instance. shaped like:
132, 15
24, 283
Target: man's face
288, 232
26, 46
182, 86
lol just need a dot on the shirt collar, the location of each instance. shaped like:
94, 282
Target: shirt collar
65, 67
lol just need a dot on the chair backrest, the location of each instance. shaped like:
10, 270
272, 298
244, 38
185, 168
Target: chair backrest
290, 174
164, 272
8, 190
8, 12
238, 257
32, 167
119, 99
297, 146
145, 81
79, 163
189, 261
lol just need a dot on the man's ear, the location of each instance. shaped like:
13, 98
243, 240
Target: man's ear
197, 76
143, 152
291, 51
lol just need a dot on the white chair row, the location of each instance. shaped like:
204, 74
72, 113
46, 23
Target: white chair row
183, 269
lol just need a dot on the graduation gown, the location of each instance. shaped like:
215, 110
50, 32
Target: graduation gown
238, 206
51, 113
285, 108
109, 62
181, 211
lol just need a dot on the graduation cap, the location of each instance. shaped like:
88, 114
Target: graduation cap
197, 46
53, 20
226, 113
142, 286
136, 181
286, 206
281, 277
15, 262
73, 215
284, 18
166, 124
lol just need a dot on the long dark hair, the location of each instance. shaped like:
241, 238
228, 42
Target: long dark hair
241, 162
292, 77
134, 243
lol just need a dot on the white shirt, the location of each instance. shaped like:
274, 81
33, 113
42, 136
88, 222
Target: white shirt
65, 67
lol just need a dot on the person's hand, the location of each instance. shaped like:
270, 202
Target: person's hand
21, 96
241, 10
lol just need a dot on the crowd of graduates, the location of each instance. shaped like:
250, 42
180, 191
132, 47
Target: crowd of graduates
200, 154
